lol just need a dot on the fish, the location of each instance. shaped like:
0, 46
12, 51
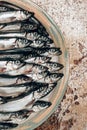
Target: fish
14, 16
38, 76
7, 126
17, 105
47, 39
25, 90
13, 43
28, 68
18, 27
10, 65
51, 77
48, 51
12, 80
28, 35
53, 66
44, 91
41, 105
15, 117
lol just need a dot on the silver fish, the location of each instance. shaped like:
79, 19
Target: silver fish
8, 80
28, 68
15, 117
28, 35
51, 77
17, 105
18, 27
53, 66
38, 76
10, 65
36, 58
14, 16
16, 92
7, 126
48, 51
41, 105
44, 90
12, 43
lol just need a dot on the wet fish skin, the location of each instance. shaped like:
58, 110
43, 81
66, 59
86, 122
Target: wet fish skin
5, 125
8, 79
40, 105
28, 68
13, 43
53, 66
4, 9
15, 117
14, 16
10, 65
18, 27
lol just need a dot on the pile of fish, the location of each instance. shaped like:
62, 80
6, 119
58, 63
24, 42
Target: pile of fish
29, 68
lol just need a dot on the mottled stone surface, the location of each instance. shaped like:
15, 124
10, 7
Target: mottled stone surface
71, 17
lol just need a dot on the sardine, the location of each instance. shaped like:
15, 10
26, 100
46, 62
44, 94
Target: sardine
40, 105
51, 77
38, 76
17, 105
7, 126
8, 80
14, 16
28, 68
18, 27
44, 91
53, 66
49, 51
25, 90
15, 117
10, 65
12, 43
28, 35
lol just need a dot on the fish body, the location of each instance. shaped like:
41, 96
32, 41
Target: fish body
28, 68
11, 80
18, 27
14, 16
16, 105
12, 43
15, 117
7, 126
10, 65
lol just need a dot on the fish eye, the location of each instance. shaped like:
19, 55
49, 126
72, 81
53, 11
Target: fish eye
55, 65
44, 58
17, 62
54, 76
25, 12
52, 50
25, 41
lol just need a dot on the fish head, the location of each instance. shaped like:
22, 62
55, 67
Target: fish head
22, 42
44, 59
26, 14
40, 68
54, 66
55, 76
55, 51
42, 74
37, 43
41, 105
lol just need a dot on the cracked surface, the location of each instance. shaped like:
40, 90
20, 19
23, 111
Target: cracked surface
71, 17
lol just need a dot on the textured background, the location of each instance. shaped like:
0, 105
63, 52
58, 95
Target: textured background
71, 17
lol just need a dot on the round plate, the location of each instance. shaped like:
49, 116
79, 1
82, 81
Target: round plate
56, 35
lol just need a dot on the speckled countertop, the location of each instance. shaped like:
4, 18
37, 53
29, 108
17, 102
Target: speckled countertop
71, 17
